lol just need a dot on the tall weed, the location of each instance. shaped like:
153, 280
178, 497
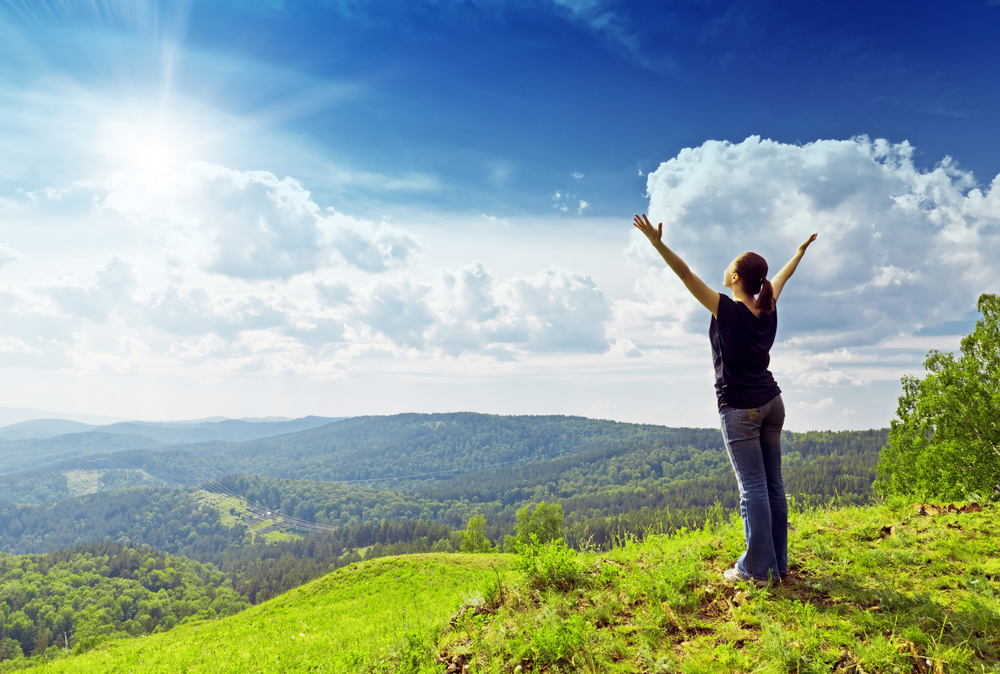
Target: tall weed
550, 565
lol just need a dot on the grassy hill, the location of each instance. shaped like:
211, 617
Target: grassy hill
367, 616
871, 589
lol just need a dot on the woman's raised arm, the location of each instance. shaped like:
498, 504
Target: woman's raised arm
708, 297
778, 282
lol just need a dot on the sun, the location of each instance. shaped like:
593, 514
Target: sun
143, 143
154, 155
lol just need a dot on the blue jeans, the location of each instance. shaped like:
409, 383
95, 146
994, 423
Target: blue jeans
753, 442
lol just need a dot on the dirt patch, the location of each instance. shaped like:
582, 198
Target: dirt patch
931, 509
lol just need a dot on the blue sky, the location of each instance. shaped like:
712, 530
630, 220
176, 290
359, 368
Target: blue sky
256, 208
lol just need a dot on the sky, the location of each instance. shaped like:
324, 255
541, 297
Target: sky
345, 207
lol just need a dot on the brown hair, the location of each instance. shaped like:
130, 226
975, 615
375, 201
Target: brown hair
753, 278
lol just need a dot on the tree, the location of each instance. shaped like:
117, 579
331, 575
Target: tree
474, 537
545, 523
945, 441
41, 641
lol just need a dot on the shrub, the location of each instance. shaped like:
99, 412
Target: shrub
555, 639
549, 565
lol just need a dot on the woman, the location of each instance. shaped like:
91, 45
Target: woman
742, 332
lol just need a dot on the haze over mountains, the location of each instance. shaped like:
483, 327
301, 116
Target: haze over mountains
170, 432
28, 445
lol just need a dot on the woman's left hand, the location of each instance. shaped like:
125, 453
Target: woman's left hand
654, 234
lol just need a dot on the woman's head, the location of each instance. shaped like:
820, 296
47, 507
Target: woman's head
749, 270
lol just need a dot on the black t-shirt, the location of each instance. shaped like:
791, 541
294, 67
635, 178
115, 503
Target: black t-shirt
741, 343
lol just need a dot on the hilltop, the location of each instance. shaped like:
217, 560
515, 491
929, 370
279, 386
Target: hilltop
888, 588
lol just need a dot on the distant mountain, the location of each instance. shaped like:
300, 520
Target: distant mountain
230, 430
15, 415
43, 428
29, 446
253, 420
170, 432
21, 455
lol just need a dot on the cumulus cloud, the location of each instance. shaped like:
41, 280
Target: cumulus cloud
193, 311
898, 248
471, 318
335, 293
96, 298
253, 225
373, 248
400, 312
8, 254
563, 311
468, 311
625, 347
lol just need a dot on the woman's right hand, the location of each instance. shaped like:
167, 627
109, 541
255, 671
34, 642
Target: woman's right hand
654, 234
805, 244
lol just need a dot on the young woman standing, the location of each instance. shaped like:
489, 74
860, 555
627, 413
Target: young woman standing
750, 406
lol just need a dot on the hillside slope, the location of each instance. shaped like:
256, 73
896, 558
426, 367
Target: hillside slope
359, 618
872, 589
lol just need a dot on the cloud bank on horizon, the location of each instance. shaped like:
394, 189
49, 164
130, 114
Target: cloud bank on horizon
233, 272
188, 229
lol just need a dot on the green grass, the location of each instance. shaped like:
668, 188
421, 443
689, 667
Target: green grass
878, 589
359, 618
80, 482
233, 511
872, 590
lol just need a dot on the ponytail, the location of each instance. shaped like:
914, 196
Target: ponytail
765, 301
753, 266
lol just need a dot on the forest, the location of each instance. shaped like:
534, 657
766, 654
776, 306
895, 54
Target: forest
475, 454
610, 479
76, 598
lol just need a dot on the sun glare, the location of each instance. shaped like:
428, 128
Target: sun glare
154, 155
143, 146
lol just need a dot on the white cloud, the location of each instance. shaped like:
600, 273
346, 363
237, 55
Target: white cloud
193, 311
399, 311
890, 274
335, 293
373, 248
109, 291
563, 311
15, 345
8, 254
471, 316
253, 225
564, 201
898, 247
48, 193
625, 347
467, 311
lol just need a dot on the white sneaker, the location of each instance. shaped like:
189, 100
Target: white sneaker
734, 575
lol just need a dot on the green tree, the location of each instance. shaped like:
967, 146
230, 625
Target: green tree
545, 522
945, 441
41, 641
474, 537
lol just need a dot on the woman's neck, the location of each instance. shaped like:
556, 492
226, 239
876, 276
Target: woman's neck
746, 300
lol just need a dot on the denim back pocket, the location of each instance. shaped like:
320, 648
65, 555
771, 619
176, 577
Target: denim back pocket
751, 414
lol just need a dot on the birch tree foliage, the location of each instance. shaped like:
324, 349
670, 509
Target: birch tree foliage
945, 439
